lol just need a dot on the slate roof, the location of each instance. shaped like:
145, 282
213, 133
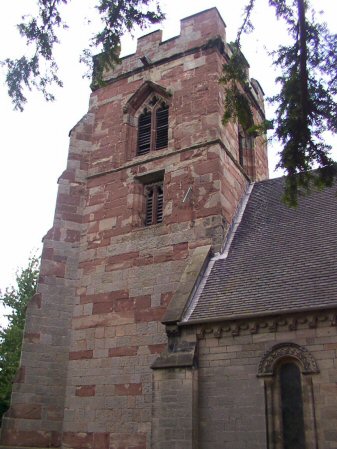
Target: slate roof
280, 259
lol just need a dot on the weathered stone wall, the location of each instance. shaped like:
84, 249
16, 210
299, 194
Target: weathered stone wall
94, 329
232, 406
37, 407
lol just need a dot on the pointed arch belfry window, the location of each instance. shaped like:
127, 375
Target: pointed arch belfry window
146, 119
153, 126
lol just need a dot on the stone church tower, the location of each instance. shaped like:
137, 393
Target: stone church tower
152, 184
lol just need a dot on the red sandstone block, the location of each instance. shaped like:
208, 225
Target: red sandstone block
102, 307
128, 389
89, 266
58, 258
104, 297
161, 258
79, 355
47, 253
180, 215
75, 218
142, 302
180, 251
30, 438
32, 337
165, 298
52, 268
123, 351
142, 261
25, 411
85, 390
157, 349
64, 198
77, 440
124, 305
209, 166
118, 258
101, 440
98, 198
72, 236
153, 314
180, 246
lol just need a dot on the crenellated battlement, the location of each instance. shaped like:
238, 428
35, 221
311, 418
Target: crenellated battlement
195, 31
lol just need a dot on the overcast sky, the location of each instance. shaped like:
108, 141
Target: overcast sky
34, 143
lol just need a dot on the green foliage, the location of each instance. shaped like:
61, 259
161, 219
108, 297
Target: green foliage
118, 17
16, 298
235, 79
39, 70
306, 103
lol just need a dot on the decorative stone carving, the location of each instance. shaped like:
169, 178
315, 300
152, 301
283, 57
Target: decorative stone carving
284, 350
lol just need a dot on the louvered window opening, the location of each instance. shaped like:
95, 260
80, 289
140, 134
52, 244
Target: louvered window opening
246, 142
154, 204
144, 132
153, 129
162, 127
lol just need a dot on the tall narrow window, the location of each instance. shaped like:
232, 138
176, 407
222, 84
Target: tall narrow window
154, 204
153, 126
287, 369
246, 143
162, 127
144, 132
292, 407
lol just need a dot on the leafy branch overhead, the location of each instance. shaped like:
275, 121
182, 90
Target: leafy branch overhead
39, 69
306, 106
16, 299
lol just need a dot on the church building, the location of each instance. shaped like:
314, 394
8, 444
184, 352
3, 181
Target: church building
181, 304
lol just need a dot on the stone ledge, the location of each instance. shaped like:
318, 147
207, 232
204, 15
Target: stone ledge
182, 357
189, 279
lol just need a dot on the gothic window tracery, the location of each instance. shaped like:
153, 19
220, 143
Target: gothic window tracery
153, 126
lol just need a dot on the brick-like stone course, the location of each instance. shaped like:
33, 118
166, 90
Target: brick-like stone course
93, 330
232, 398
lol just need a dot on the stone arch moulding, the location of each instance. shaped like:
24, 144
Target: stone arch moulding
132, 109
287, 350
141, 94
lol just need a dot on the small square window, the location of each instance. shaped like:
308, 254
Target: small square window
153, 193
154, 203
